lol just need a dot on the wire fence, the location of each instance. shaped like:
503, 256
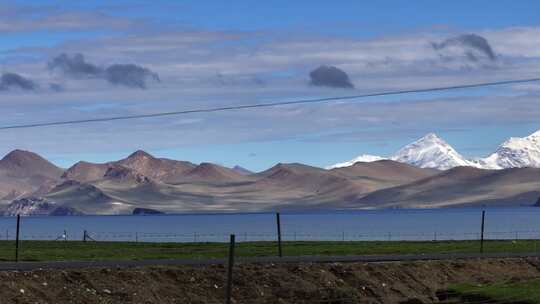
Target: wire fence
195, 237
68, 245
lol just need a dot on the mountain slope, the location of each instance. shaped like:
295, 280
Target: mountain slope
310, 185
86, 198
242, 170
364, 158
385, 173
23, 173
212, 173
161, 169
20, 163
462, 186
85, 172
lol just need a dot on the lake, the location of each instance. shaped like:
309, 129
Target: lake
396, 224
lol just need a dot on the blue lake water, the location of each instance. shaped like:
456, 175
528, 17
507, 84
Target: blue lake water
399, 224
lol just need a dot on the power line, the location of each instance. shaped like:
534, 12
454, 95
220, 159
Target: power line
266, 105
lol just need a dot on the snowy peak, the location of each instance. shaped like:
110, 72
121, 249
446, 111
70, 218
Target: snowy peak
430, 151
535, 135
516, 152
364, 158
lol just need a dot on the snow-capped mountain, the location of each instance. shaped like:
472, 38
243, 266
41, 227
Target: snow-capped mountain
516, 152
431, 151
365, 158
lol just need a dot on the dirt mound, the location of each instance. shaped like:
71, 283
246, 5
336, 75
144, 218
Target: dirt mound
411, 282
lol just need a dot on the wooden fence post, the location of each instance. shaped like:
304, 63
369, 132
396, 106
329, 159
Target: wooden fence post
228, 295
278, 222
17, 238
482, 231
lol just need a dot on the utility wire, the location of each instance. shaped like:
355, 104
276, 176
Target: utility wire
266, 105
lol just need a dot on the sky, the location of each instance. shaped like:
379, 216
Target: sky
66, 60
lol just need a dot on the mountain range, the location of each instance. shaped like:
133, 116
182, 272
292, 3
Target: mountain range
428, 173
431, 151
144, 181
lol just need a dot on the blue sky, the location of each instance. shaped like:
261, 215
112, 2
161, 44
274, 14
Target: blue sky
214, 53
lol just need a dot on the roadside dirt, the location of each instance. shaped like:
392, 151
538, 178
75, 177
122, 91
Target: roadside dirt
411, 282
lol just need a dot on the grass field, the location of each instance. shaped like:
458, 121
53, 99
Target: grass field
504, 292
76, 250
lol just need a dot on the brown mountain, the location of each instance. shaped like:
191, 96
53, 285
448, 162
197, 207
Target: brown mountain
242, 170
161, 169
305, 183
85, 196
385, 173
144, 181
462, 186
19, 163
212, 173
86, 172
23, 172
125, 175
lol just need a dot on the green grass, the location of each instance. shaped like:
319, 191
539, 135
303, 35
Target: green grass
76, 250
505, 292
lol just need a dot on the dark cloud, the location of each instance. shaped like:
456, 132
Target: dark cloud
130, 75
75, 66
330, 76
10, 81
56, 87
238, 80
474, 46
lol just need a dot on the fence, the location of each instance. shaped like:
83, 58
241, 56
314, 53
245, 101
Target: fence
88, 245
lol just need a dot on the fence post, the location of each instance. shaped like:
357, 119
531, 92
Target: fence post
17, 238
278, 221
482, 231
228, 294
84, 236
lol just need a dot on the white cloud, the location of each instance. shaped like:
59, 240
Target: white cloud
200, 69
26, 18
